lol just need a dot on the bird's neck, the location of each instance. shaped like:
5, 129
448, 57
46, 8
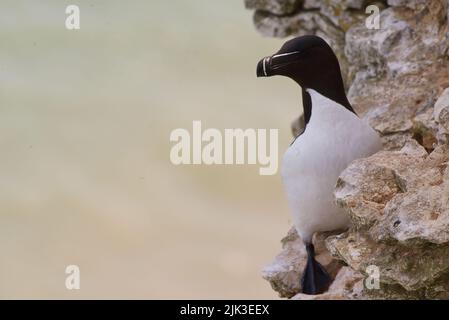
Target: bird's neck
329, 84
338, 95
332, 88
325, 110
307, 106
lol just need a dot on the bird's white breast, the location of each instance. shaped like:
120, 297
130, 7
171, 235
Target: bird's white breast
333, 138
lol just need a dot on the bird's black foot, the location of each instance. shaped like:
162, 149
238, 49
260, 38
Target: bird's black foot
315, 278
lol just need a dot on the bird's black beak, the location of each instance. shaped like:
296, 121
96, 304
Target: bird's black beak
264, 67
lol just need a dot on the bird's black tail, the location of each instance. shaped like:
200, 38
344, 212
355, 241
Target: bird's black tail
315, 278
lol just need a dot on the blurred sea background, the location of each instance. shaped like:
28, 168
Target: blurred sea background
85, 175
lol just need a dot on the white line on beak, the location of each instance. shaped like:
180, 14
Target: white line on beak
285, 54
264, 67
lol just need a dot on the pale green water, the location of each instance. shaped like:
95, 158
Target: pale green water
85, 118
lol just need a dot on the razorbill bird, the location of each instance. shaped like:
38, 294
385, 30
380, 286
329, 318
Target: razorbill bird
333, 137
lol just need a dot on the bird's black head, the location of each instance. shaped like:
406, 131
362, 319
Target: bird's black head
310, 62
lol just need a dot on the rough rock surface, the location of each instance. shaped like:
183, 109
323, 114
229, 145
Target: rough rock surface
397, 78
405, 227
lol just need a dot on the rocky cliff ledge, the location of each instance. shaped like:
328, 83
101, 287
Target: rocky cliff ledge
398, 199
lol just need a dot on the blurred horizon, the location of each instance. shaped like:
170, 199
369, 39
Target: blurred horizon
85, 119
